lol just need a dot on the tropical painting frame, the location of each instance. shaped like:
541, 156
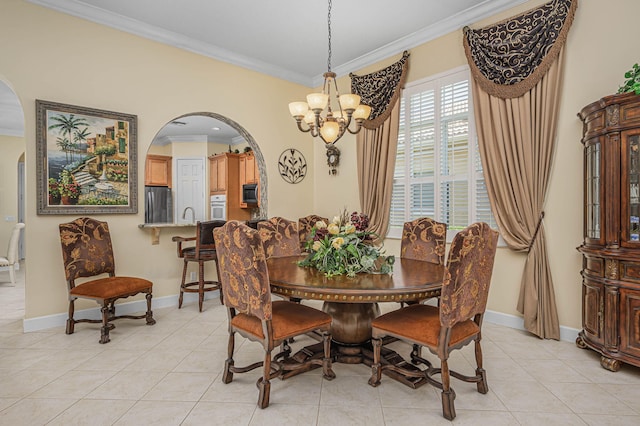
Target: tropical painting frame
87, 160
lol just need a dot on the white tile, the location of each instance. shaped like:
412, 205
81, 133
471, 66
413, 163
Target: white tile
224, 413
92, 412
588, 398
156, 413
127, 385
351, 415
180, 387
34, 411
285, 414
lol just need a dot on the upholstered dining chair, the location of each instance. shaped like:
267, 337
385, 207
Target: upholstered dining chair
454, 324
87, 253
304, 227
280, 237
253, 315
12, 252
203, 250
424, 239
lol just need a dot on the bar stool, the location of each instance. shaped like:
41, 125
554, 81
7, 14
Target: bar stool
203, 251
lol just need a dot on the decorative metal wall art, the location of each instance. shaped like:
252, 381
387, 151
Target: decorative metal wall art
292, 166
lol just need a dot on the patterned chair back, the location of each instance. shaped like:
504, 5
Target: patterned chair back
243, 270
424, 239
470, 264
86, 249
279, 237
304, 227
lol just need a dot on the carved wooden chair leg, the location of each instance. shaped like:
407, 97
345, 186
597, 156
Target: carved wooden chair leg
70, 322
227, 376
481, 374
327, 371
104, 330
376, 368
149, 317
264, 383
448, 394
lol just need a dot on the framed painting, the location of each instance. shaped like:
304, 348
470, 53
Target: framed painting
87, 160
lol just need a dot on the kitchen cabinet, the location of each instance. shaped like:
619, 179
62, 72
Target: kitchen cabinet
248, 168
224, 179
157, 170
248, 174
218, 173
611, 247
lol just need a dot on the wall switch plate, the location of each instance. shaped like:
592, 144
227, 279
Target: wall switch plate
9, 218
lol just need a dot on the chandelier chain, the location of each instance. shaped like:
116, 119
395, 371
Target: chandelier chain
329, 28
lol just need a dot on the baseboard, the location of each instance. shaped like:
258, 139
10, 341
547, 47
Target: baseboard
59, 320
567, 334
126, 308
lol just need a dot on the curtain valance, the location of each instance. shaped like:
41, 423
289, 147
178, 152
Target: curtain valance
510, 57
380, 90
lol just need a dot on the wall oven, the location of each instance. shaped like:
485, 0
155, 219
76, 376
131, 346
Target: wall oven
250, 193
218, 207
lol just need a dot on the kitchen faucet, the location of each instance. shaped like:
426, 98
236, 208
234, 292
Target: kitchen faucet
193, 213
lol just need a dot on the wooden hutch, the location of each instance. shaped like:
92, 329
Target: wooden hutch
611, 247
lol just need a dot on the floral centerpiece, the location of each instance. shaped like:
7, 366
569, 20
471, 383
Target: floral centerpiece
344, 246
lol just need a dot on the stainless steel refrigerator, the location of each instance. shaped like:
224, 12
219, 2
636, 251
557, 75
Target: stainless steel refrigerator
158, 204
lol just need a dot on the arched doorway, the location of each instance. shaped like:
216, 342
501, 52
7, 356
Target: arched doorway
12, 186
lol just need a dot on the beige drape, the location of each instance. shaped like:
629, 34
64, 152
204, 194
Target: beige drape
377, 142
516, 138
376, 152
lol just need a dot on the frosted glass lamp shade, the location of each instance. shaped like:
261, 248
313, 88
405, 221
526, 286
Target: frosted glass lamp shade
298, 109
309, 117
317, 100
362, 112
349, 101
329, 131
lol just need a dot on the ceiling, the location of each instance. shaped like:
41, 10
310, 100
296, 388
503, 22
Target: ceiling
286, 39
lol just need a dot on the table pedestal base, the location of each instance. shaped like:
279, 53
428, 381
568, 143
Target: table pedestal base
351, 342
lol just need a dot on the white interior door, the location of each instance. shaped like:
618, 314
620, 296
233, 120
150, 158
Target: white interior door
189, 184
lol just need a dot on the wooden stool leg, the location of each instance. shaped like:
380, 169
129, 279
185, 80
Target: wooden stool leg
184, 279
200, 284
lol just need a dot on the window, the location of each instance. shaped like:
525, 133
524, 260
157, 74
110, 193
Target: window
438, 169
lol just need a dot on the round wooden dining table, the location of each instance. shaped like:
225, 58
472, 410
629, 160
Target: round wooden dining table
353, 301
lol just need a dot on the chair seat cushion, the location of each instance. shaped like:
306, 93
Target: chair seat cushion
420, 324
289, 319
111, 287
205, 254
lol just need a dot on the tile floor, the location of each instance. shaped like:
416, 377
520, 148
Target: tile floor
170, 374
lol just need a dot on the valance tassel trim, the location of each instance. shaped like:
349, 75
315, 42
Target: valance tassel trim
381, 90
498, 55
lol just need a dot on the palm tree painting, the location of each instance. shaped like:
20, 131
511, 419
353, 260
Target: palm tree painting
88, 155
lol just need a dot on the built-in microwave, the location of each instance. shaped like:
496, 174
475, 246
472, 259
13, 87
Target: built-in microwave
250, 193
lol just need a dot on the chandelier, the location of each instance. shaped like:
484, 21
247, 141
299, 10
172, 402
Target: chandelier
332, 124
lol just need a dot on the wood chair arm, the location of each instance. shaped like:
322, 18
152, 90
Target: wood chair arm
181, 240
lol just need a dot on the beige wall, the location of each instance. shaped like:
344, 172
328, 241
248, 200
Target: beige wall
599, 50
